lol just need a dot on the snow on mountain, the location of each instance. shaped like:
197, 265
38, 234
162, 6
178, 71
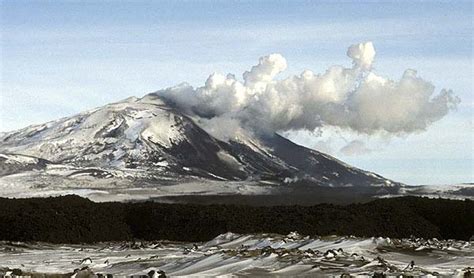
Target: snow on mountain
146, 141
114, 135
14, 163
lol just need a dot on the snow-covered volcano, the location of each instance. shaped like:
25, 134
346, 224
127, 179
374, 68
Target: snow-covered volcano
147, 138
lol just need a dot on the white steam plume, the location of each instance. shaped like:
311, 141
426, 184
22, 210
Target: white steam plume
355, 147
352, 98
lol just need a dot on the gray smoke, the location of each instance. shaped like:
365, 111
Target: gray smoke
353, 98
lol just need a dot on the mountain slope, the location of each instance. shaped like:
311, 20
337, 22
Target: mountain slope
321, 167
12, 164
145, 139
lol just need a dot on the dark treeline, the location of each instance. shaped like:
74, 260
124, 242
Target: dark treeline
71, 219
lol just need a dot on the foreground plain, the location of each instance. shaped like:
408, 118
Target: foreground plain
248, 255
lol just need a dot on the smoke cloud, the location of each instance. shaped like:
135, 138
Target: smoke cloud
353, 98
355, 147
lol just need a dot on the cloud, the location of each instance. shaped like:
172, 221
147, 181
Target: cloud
362, 54
355, 147
353, 98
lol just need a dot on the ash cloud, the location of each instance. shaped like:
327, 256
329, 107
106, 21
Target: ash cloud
353, 98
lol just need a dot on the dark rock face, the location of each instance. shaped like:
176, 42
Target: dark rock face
320, 166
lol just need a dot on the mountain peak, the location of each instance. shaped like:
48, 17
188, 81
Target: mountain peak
147, 141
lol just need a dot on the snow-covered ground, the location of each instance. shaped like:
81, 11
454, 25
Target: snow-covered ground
248, 255
103, 185
448, 191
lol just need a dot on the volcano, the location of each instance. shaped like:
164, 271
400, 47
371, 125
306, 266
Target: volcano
148, 143
149, 135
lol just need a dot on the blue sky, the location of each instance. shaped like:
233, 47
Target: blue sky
62, 57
